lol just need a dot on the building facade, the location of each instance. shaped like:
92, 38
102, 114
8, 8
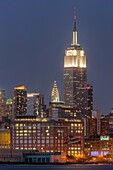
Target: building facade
5, 138
44, 157
110, 117
46, 135
98, 146
61, 111
90, 126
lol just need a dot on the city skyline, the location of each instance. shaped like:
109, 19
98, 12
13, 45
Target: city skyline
32, 31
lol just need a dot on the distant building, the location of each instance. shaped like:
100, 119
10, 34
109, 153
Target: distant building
10, 155
75, 70
96, 125
110, 117
35, 104
2, 103
55, 93
20, 101
84, 103
98, 146
5, 138
44, 157
9, 109
97, 114
90, 127
104, 126
61, 111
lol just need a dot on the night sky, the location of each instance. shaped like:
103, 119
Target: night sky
34, 35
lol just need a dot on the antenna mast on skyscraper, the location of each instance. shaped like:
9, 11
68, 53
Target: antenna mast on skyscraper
74, 11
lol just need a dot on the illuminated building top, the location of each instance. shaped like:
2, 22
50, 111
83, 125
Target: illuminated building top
20, 88
20, 100
32, 94
74, 55
9, 101
55, 93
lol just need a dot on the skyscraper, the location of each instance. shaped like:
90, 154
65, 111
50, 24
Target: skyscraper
31, 103
55, 93
35, 104
2, 103
84, 100
20, 101
75, 71
9, 109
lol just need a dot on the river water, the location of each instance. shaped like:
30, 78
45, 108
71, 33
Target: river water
55, 167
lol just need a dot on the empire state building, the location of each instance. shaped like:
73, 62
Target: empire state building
75, 70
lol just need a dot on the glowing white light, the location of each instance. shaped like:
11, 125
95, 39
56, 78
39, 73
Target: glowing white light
81, 53
71, 52
55, 93
75, 61
32, 94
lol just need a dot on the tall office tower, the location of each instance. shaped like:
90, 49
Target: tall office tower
104, 126
97, 114
84, 101
2, 103
90, 126
20, 101
55, 93
35, 104
9, 107
75, 71
110, 117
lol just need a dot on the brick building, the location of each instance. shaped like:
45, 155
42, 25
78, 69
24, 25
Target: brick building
46, 135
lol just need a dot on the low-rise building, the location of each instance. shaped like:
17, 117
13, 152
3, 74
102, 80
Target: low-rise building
98, 146
44, 157
11, 155
5, 138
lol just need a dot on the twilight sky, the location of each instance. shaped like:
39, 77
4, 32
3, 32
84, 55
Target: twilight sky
34, 35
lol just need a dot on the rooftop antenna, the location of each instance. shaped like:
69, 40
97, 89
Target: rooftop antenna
75, 39
74, 11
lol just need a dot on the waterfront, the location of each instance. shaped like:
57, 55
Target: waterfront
54, 167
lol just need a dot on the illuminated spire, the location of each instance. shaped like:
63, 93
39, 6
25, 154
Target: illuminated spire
55, 93
74, 41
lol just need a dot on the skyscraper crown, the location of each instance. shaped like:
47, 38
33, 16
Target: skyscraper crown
55, 93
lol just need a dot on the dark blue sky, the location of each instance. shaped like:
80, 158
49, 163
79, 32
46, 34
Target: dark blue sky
34, 35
